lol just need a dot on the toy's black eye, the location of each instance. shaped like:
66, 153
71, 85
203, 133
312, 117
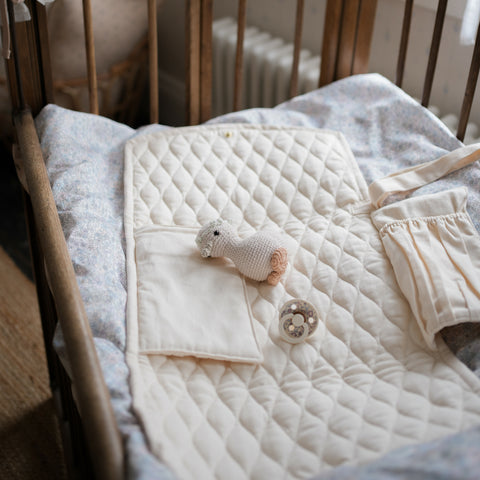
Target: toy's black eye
216, 233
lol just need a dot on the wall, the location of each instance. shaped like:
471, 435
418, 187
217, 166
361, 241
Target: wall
276, 16
453, 61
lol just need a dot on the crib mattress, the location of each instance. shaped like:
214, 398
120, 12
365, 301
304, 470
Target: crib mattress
386, 130
364, 384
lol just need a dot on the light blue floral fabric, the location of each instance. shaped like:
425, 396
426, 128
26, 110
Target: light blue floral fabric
386, 130
455, 457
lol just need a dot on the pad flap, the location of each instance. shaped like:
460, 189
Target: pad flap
189, 305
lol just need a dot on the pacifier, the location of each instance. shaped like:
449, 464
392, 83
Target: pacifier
298, 320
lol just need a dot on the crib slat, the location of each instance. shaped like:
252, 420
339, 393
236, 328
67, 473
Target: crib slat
365, 24
90, 48
432, 59
199, 60
331, 33
153, 59
297, 46
346, 48
241, 22
99, 423
470, 89
193, 41
402, 54
206, 63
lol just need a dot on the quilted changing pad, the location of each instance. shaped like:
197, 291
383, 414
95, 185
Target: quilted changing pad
218, 391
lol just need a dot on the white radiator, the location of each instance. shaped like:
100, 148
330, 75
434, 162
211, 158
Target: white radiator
266, 72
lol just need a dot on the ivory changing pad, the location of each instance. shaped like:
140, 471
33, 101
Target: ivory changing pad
363, 384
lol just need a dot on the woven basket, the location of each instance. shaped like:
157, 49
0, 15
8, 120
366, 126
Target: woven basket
120, 92
120, 89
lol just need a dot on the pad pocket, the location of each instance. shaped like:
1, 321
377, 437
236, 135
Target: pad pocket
188, 305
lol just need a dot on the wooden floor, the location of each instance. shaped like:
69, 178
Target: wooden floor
29, 439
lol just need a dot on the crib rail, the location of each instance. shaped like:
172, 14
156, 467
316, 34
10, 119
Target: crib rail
346, 45
346, 48
93, 399
432, 62
58, 293
345, 51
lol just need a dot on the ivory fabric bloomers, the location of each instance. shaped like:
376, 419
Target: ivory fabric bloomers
366, 381
435, 252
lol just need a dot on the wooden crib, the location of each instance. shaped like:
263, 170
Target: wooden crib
91, 437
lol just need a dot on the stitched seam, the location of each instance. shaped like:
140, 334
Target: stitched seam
429, 219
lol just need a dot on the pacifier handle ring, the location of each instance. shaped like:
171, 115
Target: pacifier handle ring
292, 339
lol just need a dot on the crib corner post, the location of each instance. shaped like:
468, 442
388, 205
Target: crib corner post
28, 69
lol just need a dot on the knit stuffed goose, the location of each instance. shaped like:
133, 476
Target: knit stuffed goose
259, 257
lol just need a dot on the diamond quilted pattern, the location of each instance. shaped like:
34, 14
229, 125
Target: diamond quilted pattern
362, 385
